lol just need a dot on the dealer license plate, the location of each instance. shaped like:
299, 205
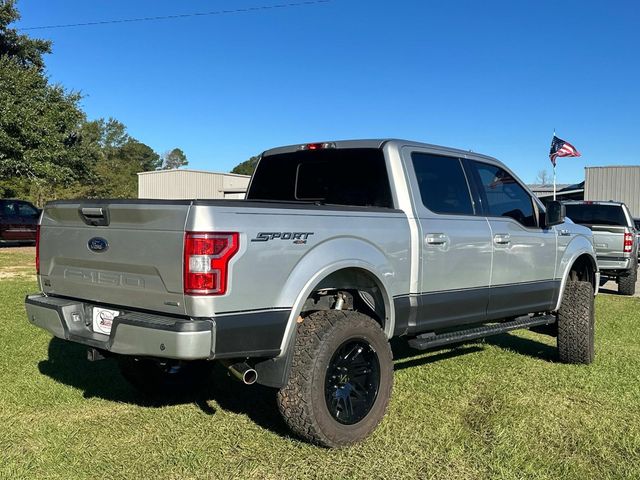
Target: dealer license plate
103, 319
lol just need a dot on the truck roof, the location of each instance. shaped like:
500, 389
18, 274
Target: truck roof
593, 202
379, 143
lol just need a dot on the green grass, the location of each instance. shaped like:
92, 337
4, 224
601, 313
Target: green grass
499, 409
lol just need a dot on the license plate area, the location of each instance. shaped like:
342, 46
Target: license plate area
103, 319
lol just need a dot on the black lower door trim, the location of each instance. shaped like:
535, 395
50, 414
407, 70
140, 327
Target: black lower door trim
522, 298
453, 308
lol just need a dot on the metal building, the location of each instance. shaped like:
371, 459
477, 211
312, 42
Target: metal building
191, 184
620, 183
564, 192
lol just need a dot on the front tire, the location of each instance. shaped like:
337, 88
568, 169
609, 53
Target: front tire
576, 324
340, 380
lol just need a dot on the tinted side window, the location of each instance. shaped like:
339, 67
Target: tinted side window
26, 210
442, 183
503, 196
8, 208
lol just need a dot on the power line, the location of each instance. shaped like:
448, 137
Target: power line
184, 15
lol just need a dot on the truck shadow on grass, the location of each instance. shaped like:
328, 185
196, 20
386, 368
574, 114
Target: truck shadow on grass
67, 364
406, 357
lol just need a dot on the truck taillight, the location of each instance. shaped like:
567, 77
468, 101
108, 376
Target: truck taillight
38, 249
206, 261
628, 242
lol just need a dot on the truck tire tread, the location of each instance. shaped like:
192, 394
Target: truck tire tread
576, 324
298, 399
627, 284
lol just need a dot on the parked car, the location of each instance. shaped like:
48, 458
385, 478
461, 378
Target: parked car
614, 235
339, 247
18, 221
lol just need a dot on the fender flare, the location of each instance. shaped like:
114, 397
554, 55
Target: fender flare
311, 284
570, 261
274, 372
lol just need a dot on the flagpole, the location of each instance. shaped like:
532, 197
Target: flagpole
554, 172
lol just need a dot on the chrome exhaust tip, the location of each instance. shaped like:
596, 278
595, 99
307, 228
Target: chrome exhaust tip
242, 372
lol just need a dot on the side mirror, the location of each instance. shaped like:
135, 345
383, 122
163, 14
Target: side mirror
556, 212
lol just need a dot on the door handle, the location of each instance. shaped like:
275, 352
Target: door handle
436, 239
502, 239
565, 232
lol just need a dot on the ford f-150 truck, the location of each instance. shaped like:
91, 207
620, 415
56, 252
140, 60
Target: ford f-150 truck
338, 247
614, 237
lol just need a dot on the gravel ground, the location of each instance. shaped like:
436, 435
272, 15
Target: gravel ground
611, 288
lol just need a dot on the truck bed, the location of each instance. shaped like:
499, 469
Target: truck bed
142, 264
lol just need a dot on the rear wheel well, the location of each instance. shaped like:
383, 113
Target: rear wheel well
350, 289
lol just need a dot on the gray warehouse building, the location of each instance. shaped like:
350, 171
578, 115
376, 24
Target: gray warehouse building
617, 183
621, 184
188, 184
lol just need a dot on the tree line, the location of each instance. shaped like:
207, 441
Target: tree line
48, 147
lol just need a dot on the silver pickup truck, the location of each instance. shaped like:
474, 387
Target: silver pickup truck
615, 239
339, 247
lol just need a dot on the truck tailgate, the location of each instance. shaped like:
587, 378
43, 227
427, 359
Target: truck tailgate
608, 240
121, 252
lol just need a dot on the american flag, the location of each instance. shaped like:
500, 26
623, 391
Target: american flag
560, 148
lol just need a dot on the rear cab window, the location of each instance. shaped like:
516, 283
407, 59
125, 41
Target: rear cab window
343, 176
596, 214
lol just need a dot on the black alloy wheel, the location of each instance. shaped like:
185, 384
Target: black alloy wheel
352, 381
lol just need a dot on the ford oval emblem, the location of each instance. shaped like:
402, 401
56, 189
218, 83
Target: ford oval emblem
97, 244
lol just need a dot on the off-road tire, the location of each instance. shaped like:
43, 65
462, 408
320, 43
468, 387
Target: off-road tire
153, 377
302, 401
627, 285
576, 324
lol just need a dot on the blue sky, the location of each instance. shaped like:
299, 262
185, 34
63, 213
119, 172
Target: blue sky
494, 76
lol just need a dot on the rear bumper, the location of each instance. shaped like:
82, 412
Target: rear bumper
613, 263
250, 334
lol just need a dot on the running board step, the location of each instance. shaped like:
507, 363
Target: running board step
430, 340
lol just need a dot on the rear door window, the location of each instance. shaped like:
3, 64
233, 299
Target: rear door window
442, 183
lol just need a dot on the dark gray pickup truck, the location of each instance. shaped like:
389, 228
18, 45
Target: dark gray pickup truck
339, 247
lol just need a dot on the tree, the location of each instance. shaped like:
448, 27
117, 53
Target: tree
39, 126
543, 178
144, 156
40, 146
48, 149
120, 158
26, 51
247, 167
174, 159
